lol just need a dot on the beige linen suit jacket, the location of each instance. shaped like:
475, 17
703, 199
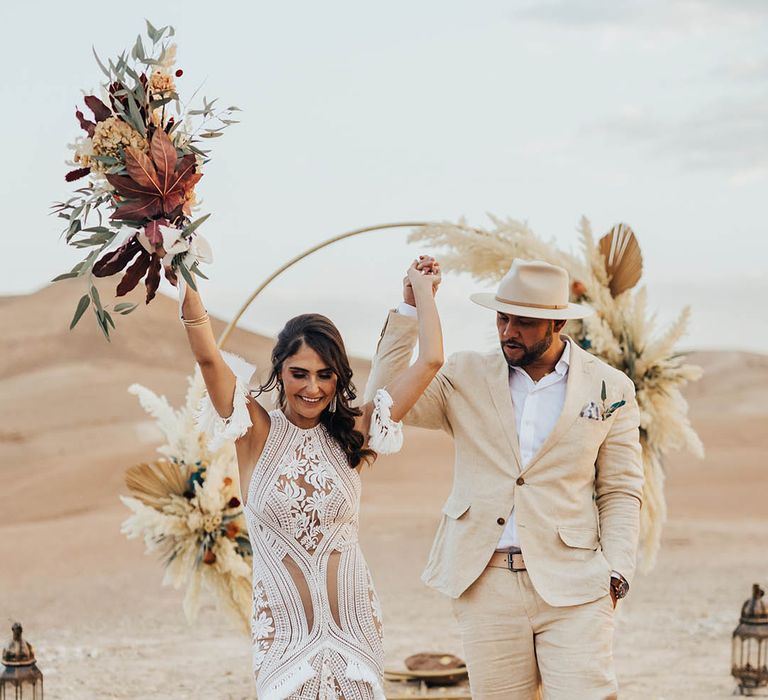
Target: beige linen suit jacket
577, 502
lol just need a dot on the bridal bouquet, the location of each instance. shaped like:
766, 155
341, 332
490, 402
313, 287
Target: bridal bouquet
141, 157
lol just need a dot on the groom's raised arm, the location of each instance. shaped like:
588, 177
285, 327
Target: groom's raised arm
393, 355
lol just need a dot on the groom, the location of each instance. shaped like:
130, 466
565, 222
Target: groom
538, 537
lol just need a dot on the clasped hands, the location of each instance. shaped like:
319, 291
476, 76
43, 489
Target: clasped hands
423, 272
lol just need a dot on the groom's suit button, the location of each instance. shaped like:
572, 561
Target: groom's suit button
500, 521
520, 481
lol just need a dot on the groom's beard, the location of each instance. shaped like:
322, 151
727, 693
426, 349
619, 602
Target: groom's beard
530, 353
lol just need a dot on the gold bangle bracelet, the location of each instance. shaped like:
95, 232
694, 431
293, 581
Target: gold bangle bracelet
196, 325
199, 321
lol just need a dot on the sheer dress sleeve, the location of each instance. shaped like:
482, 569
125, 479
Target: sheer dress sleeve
221, 430
385, 436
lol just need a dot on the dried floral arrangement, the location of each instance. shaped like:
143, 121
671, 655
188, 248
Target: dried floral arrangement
185, 508
621, 332
141, 157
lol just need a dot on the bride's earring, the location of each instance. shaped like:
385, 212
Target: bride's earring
332, 407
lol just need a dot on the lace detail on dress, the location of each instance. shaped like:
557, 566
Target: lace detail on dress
262, 625
386, 436
305, 485
221, 430
316, 625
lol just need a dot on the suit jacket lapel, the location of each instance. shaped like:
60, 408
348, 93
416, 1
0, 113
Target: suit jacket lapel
497, 378
577, 388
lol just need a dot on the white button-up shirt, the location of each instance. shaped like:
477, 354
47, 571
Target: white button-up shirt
538, 406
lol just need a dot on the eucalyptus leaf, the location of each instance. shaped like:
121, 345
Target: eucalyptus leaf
152, 32
195, 224
74, 228
64, 276
84, 243
107, 160
124, 308
109, 319
196, 269
102, 323
187, 276
89, 260
210, 134
95, 297
133, 108
82, 305
154, 104
603, 392
100, 64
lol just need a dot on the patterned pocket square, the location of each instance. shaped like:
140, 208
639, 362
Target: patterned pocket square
601, 411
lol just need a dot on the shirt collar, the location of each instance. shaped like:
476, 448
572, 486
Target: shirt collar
565, 359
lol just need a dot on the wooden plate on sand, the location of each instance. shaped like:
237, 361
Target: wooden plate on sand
433, 669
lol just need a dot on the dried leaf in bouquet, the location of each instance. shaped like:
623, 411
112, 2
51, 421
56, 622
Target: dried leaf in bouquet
623, 260
155, 184
154, 483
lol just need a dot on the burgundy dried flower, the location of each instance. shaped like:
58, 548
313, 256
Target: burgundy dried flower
209, 557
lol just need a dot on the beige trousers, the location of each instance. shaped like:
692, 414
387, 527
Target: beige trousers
517, 646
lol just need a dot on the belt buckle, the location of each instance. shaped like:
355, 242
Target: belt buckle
510, 564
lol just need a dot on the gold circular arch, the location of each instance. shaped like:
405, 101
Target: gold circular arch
349, 234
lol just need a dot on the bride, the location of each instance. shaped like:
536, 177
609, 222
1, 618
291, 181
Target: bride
316, 623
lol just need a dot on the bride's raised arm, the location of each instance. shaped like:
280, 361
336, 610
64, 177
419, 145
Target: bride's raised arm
239, 417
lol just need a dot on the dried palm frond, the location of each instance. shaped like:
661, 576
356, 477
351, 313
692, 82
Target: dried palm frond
154, 483
623, 260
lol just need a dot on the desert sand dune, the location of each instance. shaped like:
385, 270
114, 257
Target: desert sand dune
103, 626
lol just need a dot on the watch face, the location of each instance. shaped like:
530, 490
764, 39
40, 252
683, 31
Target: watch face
620, 588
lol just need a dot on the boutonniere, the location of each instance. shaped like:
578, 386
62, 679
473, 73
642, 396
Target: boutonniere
602, 410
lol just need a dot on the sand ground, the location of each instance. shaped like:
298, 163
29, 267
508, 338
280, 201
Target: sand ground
103, 627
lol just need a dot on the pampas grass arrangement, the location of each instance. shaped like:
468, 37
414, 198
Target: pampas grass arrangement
185, 508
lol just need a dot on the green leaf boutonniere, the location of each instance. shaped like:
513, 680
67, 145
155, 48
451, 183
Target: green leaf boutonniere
601, 411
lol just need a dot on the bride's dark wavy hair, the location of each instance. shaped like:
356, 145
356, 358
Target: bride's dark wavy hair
320, 334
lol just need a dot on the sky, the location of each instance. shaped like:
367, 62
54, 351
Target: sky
650, 112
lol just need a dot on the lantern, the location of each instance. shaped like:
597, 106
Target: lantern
21, 672
749, 663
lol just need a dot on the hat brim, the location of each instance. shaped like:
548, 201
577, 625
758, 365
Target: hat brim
573, 311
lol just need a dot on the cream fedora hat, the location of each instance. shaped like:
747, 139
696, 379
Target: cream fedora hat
534, 289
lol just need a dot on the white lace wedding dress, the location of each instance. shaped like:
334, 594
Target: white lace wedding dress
316, 626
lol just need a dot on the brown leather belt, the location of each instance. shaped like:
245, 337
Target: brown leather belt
508, 560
